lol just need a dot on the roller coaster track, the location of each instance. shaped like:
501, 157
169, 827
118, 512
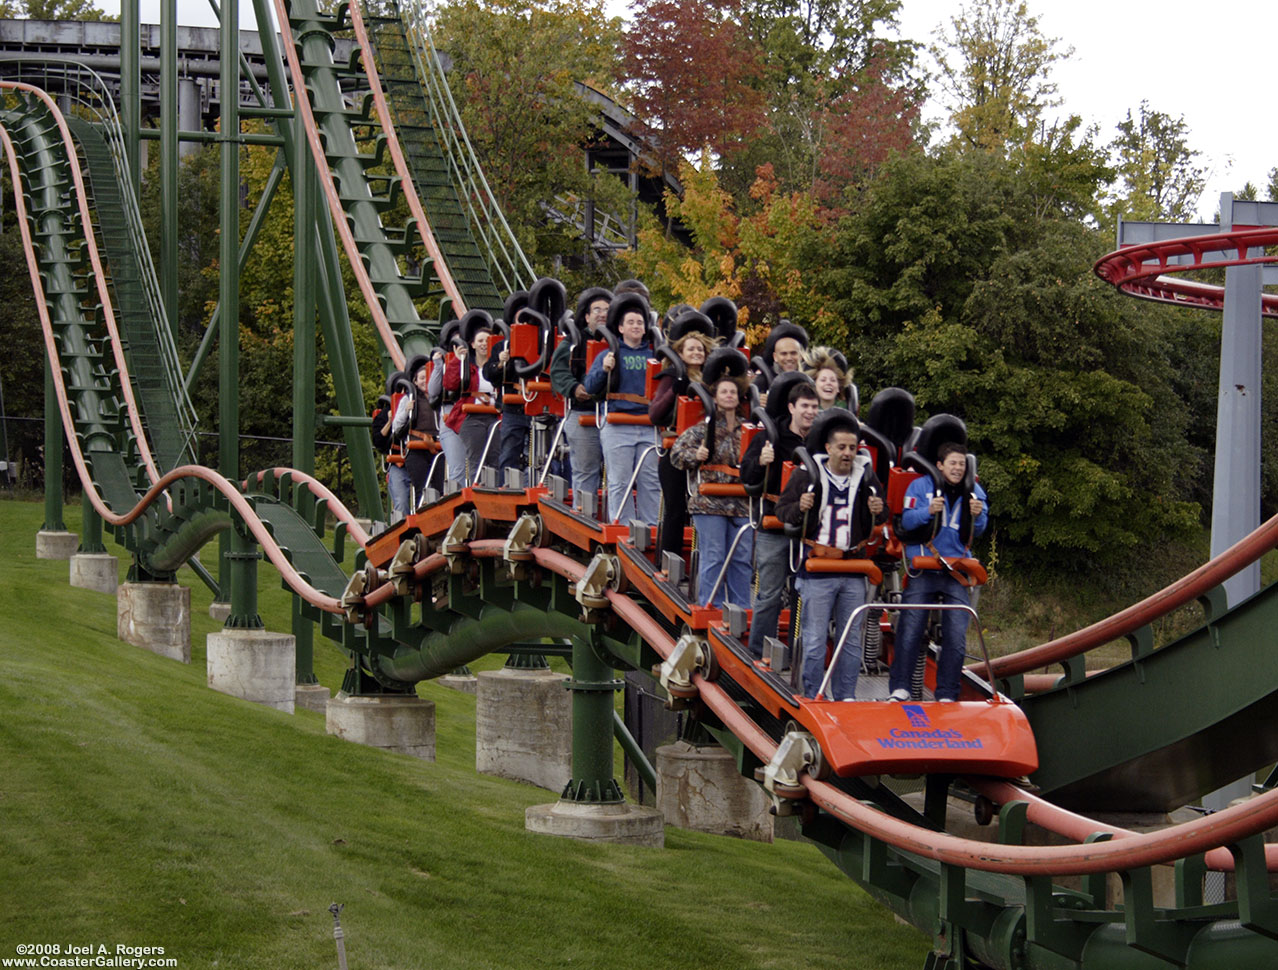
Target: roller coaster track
357, 193
1147, 270
422, 605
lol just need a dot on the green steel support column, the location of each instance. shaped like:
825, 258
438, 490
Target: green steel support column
332, 299
131, 88
90, 528
304, 202
229, 292
344, 368
304, 637
52, 456
304, 280
169, 164
243, 557
592, 686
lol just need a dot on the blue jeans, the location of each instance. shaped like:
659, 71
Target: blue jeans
587, 457
624, 446
454, 453
826, 597
398, 486
931, 586
714, 535
772, 565
515, 426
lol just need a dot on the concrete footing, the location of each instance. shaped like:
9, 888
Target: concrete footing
156, 617
467, 684
56, 545
256, 665
401, 723
311, 697
219, 611
699, 788
99, 571
625, 824
523, 726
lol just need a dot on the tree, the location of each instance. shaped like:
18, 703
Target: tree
1159, 178
758, 260
692, 67
53, 10
516, 65
994, 63
835, 80
947, 282
1271, 190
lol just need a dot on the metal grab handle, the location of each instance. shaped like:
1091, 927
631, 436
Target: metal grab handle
995, 697
634, 476
727, 561
483, 455
559, 431
430, 477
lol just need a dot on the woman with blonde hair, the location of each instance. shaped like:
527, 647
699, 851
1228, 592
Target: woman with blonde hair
830, 373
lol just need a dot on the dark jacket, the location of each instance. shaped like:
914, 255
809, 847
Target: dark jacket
752, 472
862, 521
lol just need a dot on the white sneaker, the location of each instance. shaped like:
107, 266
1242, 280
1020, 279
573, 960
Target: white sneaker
945, 700
900, 694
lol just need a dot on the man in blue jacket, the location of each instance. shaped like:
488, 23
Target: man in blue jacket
631, 440
923, 500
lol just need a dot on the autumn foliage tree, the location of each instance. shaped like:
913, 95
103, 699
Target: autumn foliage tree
693, 71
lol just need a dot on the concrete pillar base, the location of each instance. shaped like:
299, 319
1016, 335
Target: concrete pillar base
401, 723
461, 682
311, 697
624, 824
56, 545
99, 571
156, 617
219, 611
523, 726
256, 665
699, 788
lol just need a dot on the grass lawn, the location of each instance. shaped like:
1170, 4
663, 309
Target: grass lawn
139, 807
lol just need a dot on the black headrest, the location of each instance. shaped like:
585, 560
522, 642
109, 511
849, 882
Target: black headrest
778, 406
514, 303
621, 305
782, 330
690, 321
548, 297
632, 286
587, 297
937, 430
414, 364
892, 414
447, 332
673, 313
723, 313
393, 381
724, 362
475, 321
382, 403
827, 423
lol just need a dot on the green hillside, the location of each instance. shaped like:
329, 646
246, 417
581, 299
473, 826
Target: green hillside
139, 807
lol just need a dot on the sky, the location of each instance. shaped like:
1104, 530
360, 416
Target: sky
1206, 63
